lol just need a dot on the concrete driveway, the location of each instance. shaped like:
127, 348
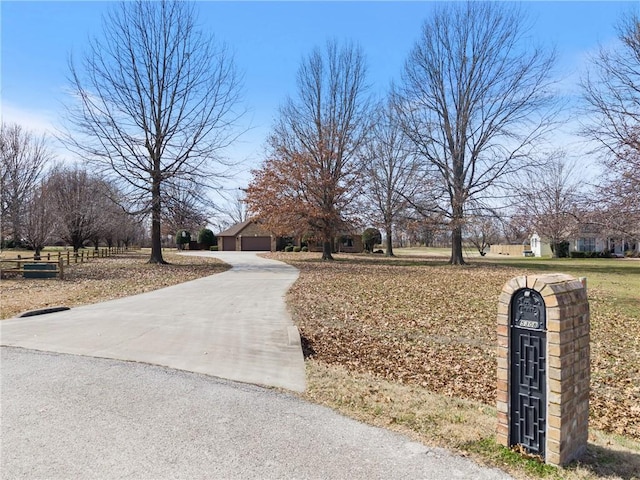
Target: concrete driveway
232, 325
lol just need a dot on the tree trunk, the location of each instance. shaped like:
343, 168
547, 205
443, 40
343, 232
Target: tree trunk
156, 211
326, 250
389, 242
456, 235
456, 246
76, 242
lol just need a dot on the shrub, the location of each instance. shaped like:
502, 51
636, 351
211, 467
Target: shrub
213, 248
578, 254
304, 249
8, 244
183, 237
296, 249
560, 249
288, 248
206, 237
370, 237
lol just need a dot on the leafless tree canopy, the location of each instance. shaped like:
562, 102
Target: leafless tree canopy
23, 157
474, 100
78, 201
156, 102
183, 208
550, 201
612, 92
482, 231
39, 217
394, 178
612, 95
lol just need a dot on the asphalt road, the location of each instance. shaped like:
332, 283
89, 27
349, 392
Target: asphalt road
75, 417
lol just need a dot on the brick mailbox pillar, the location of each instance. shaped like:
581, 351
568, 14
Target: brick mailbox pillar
543, 367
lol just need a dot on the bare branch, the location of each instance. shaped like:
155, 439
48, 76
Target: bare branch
156, 103
475, 101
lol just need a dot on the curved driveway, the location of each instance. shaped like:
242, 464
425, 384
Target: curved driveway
231, 325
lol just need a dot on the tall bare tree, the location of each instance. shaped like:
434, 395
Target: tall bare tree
612, 94
474, 100
23, 157
156, 103
237, 207
394, 177
183, 209
319, 133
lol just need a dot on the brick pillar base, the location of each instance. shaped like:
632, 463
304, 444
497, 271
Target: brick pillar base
568, 370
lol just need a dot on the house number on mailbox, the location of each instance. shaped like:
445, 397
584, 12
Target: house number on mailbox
528, 371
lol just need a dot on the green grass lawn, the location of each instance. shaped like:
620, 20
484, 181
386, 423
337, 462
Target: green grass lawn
616, 279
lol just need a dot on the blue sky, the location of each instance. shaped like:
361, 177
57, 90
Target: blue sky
269, 40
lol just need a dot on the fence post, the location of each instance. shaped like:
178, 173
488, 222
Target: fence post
60, 267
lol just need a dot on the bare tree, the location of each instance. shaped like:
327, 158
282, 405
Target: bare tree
474, 100
183, 209
550, 201
156, 103
23, 157
612, 95
237, 207
482, 231
319, 134
393, 174
77, 200
39, 217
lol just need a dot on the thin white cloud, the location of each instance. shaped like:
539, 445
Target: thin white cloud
39, 122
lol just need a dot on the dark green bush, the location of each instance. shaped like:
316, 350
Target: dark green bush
578, 255
183, 237
296, 249
213, 248
304, 249
561, 249
370, 237
206, 238
288, 248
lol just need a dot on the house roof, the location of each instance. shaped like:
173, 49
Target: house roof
235, 229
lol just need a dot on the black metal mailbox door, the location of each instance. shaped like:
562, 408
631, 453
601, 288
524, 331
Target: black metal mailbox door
528, 371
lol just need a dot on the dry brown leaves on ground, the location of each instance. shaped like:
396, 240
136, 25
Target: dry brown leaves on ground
102, 279
433, 325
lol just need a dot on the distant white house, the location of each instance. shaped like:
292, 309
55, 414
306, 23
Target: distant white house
587, 241
538, 247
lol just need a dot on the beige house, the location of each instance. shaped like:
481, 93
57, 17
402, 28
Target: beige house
247, 236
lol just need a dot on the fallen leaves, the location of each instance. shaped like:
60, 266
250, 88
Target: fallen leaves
432, 325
